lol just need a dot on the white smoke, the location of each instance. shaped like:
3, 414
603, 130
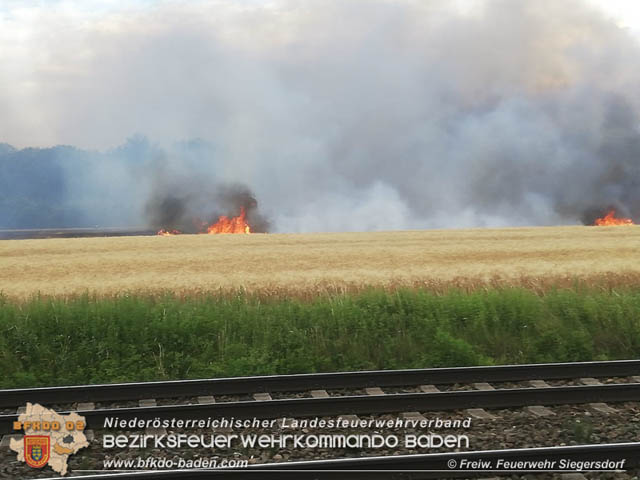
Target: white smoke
346, 115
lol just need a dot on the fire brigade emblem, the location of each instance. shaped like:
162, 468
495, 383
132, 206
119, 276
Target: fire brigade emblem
36, 450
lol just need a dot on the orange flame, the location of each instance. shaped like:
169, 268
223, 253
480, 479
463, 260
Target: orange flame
610, 219
230, 225
224, 224
168, 233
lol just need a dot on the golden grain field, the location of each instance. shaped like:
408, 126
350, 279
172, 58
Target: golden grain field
315, 262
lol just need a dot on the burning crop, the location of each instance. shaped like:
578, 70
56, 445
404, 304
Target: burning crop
230, 225
610, 219
168, 233
224, 224
191, 207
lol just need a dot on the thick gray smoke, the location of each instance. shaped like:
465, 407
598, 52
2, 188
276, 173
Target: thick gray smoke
351, 115
190, 206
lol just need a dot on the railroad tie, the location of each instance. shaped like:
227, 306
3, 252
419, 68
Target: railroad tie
266, 397
206, 399
590, 381
262, 397
84, 407
429, 389
483, 386
599, 407
151, 402
325, 394
348, 418
147, 402
539, 410
319, 394
481, 413
417, 416
539, 384
209, 400
374, 391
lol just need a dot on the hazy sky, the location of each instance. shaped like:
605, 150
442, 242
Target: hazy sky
72, 71
346, 114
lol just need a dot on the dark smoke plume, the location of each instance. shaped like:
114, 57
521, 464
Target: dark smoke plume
338, 115
188, 206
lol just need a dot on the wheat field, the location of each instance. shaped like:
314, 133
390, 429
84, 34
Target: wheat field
319, 262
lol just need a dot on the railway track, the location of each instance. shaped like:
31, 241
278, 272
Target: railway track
408, 393
302, 382
478, 394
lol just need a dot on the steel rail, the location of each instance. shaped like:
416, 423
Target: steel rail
301, 382
366, 404
434, 465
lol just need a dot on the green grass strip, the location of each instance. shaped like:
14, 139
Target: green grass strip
47, 341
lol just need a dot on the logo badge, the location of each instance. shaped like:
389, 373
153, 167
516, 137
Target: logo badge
36, 450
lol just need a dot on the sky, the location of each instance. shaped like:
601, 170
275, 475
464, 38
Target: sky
345, 115
49, 47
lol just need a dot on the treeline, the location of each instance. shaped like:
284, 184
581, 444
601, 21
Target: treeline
33, 191
64, 186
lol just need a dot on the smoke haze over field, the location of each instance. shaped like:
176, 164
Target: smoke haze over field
333, 115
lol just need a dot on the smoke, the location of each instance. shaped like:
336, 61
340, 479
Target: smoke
360, 115
189, 206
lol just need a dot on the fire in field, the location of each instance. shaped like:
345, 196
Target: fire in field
317, 186
223, 225
239, 224
191, 207
610, 220
401, 115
